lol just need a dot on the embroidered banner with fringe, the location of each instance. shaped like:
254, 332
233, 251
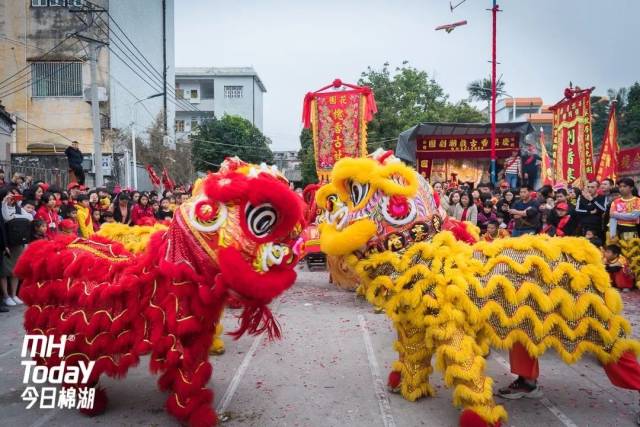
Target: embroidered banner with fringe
338, 120
572, 142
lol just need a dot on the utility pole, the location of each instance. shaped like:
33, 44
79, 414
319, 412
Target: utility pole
494, 12
95, 114
87, 17
164, 62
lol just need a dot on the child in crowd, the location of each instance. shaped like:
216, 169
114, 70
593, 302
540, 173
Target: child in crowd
38, 230
494, 231
95, 219
84, 216
618, 268
107, 217
165, 211
486, 215
68, 227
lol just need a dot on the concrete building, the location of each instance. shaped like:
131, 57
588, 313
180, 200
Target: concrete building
6, 135
216, 92
45, 72
128, 91
532, 110
289, 163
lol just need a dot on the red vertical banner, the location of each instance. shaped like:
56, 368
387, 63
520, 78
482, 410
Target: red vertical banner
572, 141
607, 166
338, 120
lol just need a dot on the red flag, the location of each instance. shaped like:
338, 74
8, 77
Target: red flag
153, 176
547, 173
607, 166
167, 182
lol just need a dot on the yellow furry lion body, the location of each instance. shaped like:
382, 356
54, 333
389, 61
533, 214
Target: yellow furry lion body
452, 301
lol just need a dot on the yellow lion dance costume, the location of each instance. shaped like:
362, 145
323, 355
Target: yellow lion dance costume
454, 299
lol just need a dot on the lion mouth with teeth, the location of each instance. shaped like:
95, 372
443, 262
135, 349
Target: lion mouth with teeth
373, 206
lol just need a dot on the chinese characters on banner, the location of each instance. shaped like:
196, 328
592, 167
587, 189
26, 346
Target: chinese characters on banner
607, 166
429, 148
629, 162
572, 142
338, 120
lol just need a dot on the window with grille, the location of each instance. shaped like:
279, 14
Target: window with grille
194, 123
179, 93
179, 125
57, 2
194, 94
39, 3
74, 3
56, 79
233, 91
207, 90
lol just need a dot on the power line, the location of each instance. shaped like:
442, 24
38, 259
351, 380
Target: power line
30, 82
151, 66
138, 74
148, 69
28, 66
149, 79
253, 147
44, 129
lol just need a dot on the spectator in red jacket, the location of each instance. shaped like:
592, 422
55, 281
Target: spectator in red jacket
49, 214
142, 210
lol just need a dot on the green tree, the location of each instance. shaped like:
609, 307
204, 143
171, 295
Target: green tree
406, 97
480, 90
629, 119
216, 139
306, 155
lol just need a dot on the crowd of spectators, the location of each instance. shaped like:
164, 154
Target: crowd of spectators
503, 211
33, 210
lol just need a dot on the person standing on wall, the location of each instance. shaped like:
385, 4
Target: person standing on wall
530, 166
74, 157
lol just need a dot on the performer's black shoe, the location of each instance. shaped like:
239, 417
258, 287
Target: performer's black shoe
520, 388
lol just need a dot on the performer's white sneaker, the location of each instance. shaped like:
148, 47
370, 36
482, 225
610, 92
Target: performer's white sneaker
17, 300
521, 388
9, 302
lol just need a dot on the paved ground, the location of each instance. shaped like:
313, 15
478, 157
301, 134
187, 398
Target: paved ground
322, 374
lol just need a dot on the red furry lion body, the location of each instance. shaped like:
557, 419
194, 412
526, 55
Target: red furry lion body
165, 302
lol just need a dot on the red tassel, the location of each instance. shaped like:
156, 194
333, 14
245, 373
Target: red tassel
256, 319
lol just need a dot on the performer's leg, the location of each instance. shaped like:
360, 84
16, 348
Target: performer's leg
522, 364
462, 361
217, 344
527, 369
410, 373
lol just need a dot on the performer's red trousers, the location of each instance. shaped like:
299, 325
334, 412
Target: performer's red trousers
624, 373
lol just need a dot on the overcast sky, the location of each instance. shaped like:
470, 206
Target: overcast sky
298, 46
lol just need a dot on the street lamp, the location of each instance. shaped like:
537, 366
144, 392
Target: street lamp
133, 136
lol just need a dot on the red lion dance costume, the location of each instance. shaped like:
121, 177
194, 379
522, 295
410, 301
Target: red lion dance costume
233, 237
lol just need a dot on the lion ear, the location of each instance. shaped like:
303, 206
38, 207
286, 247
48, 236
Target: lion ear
398, 179
197, 188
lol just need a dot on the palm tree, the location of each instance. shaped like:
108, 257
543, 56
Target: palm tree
480, 90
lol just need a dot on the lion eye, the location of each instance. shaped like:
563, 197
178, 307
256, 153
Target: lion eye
261, 219
358, 192
207, 216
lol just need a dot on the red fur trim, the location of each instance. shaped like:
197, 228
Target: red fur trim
99, 404
239, 275
459, 230
468, 418
394, 379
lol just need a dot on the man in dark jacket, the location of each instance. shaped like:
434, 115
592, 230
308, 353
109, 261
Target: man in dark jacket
530, 166
590, 207
74, 157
